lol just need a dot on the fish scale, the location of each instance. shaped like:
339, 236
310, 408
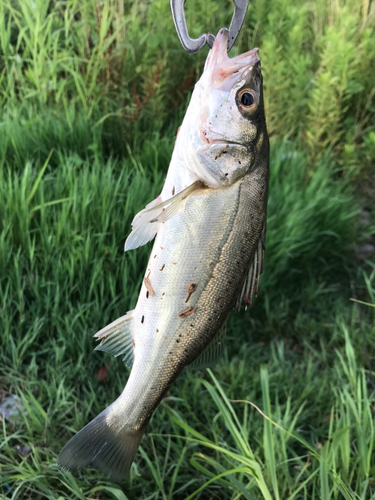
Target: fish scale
209, 222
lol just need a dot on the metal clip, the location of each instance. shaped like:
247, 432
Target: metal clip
193, 45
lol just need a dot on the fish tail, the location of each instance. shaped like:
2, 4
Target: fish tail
106, 443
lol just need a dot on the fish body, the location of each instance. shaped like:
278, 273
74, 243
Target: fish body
209, 222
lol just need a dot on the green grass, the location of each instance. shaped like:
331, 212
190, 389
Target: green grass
90, 107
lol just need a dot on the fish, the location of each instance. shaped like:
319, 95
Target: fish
209, 225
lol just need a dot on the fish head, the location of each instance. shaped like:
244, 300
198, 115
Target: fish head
228, 114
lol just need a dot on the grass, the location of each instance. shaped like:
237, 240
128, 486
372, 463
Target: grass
90, 106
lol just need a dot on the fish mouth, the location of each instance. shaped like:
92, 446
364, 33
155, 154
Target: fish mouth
221, 142
218, 147
220, 70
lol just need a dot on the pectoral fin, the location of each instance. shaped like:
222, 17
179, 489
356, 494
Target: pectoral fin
145, 223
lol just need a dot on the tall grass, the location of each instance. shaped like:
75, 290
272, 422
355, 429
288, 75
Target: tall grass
321, 469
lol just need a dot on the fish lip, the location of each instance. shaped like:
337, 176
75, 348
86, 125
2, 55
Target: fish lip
207, 141
220, 68
221, 141
218, 55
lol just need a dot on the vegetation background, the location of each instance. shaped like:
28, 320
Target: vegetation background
92, 93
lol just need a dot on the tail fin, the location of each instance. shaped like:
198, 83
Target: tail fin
105, 443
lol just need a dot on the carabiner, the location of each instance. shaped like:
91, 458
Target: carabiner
193, 45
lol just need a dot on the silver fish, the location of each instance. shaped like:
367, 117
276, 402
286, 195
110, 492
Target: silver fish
209, 222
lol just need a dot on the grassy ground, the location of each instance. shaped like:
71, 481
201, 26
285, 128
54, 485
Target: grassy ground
92, 94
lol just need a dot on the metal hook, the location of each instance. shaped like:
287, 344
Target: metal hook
193, 45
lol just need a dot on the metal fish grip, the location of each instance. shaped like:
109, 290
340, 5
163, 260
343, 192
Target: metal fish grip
193, 45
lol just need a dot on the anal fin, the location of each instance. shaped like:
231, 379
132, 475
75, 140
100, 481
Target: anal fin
212, 353
116, 338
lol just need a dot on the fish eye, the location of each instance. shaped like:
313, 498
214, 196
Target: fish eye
247, 99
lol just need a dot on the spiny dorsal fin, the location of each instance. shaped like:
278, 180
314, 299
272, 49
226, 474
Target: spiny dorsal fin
251, 284
145, 223
212, 353
116, 338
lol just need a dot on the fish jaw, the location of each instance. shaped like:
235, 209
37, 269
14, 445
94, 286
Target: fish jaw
216, 138
216, 84
220, 71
